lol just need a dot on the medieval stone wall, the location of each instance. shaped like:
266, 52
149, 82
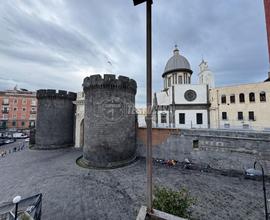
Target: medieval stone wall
55, 119
221, 149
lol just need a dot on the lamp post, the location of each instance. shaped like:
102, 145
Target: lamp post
264, 190
16, 201
253, 173
148, 118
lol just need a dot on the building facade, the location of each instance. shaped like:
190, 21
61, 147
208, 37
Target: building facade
243, 106
181, 104
18, 109
79, 123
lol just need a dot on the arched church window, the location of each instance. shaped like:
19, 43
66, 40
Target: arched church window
223, 99
180, 79
262, 96
252, 97
241, 97
169, 81
163, 118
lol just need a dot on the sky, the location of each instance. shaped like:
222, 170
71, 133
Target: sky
56, 43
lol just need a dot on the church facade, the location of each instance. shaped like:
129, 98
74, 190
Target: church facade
181, 104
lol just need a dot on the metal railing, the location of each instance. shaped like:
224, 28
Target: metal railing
28, 208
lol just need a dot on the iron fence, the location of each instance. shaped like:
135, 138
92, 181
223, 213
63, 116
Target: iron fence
28, 209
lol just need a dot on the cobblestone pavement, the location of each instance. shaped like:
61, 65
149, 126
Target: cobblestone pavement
72, 192
9, 149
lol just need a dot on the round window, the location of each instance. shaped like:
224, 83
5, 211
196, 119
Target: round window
190, 95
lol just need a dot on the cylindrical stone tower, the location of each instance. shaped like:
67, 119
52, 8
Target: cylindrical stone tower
109, 121
55, 119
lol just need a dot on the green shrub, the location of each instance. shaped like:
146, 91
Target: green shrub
173, 202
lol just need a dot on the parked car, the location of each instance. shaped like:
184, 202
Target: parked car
1, 141
9, 141
19, 135
253, 174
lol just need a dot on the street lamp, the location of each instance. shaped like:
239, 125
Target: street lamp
16, 201
255, 173
148, 118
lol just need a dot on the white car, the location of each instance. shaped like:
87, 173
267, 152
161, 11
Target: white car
19, 135
8, 141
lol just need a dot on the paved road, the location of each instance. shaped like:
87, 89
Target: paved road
19, 144
72, 192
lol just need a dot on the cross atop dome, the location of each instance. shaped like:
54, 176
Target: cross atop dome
176, 50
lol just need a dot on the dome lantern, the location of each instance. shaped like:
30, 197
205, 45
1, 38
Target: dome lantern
177, 63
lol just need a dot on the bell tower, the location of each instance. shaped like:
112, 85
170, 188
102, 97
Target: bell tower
205, 75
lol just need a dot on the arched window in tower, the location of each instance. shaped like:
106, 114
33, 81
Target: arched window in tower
252, 97
223, 99
241, 97
262, 96
180, 80
169, 81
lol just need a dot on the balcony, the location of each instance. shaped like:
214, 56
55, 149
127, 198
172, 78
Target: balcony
4, 111
5, 103
32, 117
33, 112
4, 118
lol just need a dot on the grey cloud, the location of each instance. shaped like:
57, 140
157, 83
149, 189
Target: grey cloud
63, 41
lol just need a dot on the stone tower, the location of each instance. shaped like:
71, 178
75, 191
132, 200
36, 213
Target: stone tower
55, 119
109, 121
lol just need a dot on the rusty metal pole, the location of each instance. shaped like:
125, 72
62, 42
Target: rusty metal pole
149, 103
148, 117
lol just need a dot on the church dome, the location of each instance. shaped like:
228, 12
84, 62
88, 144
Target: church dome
177, 63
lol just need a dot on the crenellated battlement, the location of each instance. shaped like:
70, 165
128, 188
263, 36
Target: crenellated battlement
52, 93
110, 81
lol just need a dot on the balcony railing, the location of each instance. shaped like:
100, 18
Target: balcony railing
32, 117
5, 111
33, 112
5, 103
